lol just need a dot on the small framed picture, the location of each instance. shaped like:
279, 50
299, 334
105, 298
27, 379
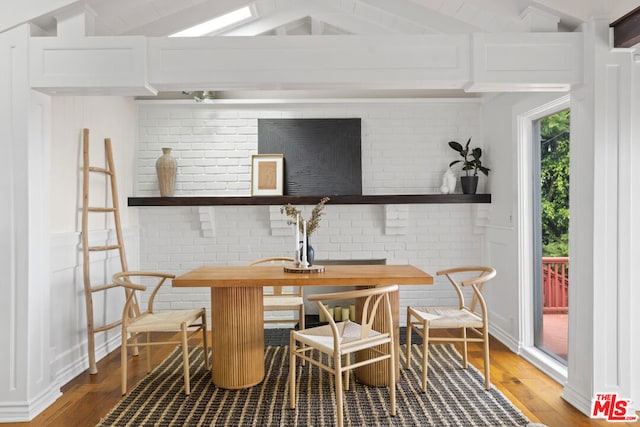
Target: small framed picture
267, 174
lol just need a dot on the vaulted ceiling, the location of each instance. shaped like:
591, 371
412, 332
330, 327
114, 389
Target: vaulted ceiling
300, 17
160, 18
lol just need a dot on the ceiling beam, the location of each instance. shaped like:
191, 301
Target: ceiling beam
317, 27
271, 19
16, 13
626, 30
276, 20
165, 22
422, 15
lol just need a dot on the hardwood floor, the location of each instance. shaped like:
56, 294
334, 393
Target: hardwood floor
534, 393
87, 398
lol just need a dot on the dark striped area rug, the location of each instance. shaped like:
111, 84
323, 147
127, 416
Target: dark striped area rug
455, 397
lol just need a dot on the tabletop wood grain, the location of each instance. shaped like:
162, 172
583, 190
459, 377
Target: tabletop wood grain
334, 275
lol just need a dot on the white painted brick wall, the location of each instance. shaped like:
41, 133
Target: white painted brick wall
404, 145
404, 151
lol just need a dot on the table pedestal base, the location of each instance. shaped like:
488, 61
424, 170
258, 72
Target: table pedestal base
237, 335
376, 374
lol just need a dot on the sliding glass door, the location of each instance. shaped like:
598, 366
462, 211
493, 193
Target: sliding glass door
551, 231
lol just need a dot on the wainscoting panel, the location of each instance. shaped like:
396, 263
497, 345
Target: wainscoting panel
68, 324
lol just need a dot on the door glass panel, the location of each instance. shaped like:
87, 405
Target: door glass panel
551, 228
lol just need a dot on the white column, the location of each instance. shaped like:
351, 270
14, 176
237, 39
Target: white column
25, 379
602, 348
634, 231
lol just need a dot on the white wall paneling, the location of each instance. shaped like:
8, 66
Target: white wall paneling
599, 308
105, 117
94, 65
526, 62
587, 209
631, 249
68, 327
25, 382
622, 348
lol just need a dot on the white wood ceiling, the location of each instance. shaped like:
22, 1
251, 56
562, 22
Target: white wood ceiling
300, 17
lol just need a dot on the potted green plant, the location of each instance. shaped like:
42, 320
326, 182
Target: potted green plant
471, 162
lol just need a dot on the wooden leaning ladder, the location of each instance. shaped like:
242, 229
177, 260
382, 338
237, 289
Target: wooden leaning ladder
89, 290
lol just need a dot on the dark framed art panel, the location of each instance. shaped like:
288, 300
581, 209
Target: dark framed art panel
321, 156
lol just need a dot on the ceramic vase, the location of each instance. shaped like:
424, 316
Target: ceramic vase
166, 167
451, 180
448, 182
311, 254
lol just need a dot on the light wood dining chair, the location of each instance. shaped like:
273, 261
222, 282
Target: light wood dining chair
338, 341
282, 298
136, 323
465, 318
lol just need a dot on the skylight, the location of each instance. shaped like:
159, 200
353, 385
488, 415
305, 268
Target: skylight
216, 24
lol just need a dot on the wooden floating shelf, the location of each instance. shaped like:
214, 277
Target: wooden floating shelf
399, 199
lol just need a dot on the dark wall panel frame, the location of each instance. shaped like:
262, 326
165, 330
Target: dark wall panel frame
321, 156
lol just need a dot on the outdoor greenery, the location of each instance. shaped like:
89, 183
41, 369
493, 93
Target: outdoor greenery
554, 140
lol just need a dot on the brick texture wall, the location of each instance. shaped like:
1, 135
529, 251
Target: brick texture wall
404, 151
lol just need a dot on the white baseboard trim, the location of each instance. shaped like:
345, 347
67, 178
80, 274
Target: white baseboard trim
547, 364
70, 366
25, 411
504, 337
578, 400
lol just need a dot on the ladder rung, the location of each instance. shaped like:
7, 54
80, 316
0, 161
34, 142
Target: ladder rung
104, 248
102, 209
101, 170
104, 287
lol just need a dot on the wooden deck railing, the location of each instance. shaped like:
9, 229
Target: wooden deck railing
555, 284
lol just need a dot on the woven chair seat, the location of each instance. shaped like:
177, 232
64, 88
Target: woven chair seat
282, 301
448, 317
164, 321
321, 337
